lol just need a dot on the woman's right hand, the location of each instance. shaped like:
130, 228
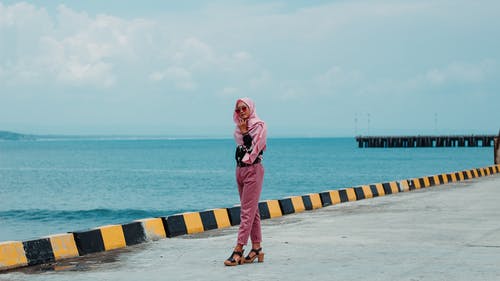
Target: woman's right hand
242, 124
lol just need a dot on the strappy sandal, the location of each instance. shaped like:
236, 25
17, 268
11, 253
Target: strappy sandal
258, 254
231, 261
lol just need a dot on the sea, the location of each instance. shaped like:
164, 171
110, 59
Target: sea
52, 186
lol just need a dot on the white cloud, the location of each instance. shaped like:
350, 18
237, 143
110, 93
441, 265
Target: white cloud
261, 79
180, 77
74, 50
157, 76
337, 79
229, 92
460, 72
242, 56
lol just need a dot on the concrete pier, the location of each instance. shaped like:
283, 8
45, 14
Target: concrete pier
446, 232
426, 141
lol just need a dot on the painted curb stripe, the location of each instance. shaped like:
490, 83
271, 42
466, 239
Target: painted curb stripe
274, 208
222, 218
208, 220
475, 173
360, 193
264, 211
441, 179
286, 206
335, 195
343, 196
374, 190
307, 202
411, 184
315, 200
312, 201
432, 181
38, 251
427, 182
112, 236
134, 233
326, 200
416, 183
174, 225
453, 177
63, 246
214, 219
153, 228
403, 186
298, 204
445, 178
387, 188
89, 241
350, 194
234, 215
437, 181
12, 255
421, 182
367, 191
380, 189
394, 186
193, 222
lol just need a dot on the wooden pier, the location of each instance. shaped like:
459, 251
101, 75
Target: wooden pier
426, 141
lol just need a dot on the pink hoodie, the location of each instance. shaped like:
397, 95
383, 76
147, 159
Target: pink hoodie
256, 128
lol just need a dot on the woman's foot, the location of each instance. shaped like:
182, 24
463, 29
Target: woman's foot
255, 254
235, 258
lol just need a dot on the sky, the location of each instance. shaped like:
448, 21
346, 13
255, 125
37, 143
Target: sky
313, 68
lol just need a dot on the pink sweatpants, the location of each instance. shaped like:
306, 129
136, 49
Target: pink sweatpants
249, 181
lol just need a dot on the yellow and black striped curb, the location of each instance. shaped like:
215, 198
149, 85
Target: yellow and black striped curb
53, 248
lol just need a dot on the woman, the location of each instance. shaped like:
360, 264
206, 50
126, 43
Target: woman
250, 136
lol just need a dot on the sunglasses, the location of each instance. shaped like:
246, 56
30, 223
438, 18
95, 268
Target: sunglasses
241, 109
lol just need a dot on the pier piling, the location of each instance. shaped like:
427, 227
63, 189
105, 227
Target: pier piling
497, 149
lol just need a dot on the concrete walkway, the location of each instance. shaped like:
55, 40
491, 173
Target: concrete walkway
447, 232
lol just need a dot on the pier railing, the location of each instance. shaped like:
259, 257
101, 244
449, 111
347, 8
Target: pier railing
426, 141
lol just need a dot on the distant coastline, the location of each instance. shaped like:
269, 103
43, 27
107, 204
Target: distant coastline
5, 135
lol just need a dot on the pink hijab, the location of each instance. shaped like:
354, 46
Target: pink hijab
256, 128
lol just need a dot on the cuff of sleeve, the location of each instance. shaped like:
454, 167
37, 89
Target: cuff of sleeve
246, 159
